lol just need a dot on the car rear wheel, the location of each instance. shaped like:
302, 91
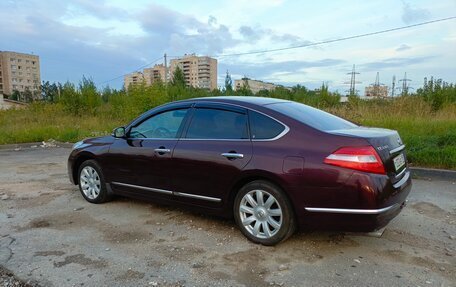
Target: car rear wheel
91, 182
263, 213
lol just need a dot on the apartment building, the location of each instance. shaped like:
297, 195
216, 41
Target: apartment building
254, 85
132, 79
156, 73
376, 91
199, 72
19, 72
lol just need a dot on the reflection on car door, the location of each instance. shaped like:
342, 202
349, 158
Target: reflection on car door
212, 152
141, 164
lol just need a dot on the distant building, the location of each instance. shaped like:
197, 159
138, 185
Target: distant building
376, 92
132, 79
8, 104
156, 73
254, 85
199, 72
19, 72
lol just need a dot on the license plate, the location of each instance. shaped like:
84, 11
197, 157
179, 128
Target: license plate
399, 161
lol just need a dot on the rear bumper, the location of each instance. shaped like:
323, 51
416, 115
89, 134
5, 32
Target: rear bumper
389, 202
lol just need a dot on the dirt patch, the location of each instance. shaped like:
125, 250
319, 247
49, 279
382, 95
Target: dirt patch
81, 260
412, 240
131, 274
49, 253
433, 211
116, 235
180, 253
446, 269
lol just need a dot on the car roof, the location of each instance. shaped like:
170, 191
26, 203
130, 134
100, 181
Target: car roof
261, 101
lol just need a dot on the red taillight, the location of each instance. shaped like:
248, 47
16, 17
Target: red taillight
363, 158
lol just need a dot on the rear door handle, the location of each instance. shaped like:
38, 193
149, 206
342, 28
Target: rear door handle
162, 151
231, 155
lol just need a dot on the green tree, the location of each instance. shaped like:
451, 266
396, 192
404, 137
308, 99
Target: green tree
16, 95
326, 98
71, 99
228, 84
27, 95
178, 78
49, 92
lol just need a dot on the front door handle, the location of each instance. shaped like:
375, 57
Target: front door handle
162, 150
231, 155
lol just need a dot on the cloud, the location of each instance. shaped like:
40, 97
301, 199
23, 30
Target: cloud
412, 15
101, 9
270, 70
181, 33
394, 63
251, 34
403, 47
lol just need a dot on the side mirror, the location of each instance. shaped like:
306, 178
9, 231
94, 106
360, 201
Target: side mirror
119, 132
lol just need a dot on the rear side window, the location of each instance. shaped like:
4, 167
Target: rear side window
217, 124
313, 117
263, 127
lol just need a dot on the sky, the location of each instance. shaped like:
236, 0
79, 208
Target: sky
107, 39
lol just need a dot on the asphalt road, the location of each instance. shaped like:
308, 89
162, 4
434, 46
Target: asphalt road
49, 235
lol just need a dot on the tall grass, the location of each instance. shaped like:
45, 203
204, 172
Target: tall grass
428, 129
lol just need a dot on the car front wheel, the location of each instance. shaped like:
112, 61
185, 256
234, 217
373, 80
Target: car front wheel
91, 182
263, 213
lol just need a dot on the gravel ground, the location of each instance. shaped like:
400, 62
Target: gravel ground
7, 279
50, 236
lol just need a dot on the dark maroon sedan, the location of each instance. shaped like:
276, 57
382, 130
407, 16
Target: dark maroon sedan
274, 165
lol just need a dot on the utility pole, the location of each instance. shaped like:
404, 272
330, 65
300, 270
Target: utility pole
405, 86
393, 86
353, 82
166, 70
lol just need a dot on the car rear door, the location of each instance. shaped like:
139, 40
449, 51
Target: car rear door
212, 152
141, 164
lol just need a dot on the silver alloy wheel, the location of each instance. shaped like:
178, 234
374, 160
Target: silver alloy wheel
90, 182
260, 214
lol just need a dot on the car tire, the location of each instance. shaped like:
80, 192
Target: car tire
264, 213
91, 182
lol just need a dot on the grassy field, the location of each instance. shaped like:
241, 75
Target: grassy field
430, 135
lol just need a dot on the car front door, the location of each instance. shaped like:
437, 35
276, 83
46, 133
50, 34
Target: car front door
212, 152
141, 163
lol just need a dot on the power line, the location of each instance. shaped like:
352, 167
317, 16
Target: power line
116, 78
303, 45
338, 39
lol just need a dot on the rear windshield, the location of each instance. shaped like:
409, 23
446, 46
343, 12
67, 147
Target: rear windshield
313, 117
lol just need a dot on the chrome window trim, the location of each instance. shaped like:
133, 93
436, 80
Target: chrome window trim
164, 139
164, 191
190, 139
284, 132
208, 198
169, 192
352, 211
402, 181
397, 149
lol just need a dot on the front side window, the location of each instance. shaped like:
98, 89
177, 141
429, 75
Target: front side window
160, 126
263, 127
218, 124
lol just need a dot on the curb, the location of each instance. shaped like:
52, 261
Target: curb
33, 145
433, 174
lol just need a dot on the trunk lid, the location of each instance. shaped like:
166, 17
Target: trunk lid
388, 145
